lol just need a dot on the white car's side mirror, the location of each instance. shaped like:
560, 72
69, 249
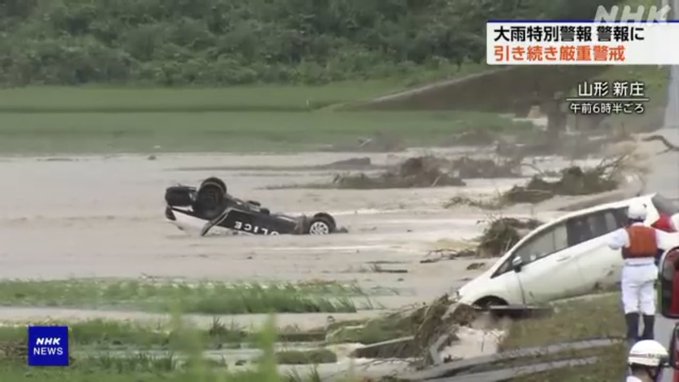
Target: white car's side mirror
517, 262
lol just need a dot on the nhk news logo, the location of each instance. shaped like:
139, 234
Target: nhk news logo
48, 346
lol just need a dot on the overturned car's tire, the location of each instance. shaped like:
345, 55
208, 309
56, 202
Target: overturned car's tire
321, 224
178, 196
210, 199
214, 181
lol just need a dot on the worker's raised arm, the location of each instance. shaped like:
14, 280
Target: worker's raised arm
618, 239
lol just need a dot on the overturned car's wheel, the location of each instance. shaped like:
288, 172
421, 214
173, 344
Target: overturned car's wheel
321, 224
178, 196
211, 198
214, 181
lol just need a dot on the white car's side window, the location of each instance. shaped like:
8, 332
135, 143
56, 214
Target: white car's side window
544, 244
594, 225
560, 237
611, 221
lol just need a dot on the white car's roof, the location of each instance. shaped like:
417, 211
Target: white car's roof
601, 207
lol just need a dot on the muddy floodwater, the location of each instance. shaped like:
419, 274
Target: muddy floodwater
103, 217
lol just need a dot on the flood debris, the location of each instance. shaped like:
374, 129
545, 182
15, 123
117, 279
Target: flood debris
475, 266
379, 142
502, 233
442, 317
347, 163
423, 171
360, 163
486, 204
573, 146
470, 168
573, 181
465, 365
436, 255
398, 347
377, 268
510, 373
668, 146
406, 334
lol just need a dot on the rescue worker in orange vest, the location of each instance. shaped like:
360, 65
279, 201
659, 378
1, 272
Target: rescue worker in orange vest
639, 245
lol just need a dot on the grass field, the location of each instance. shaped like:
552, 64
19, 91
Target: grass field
184, 364
264, 98
58, 120
185, 100
597, 317
82, 120
56, 133
208, 298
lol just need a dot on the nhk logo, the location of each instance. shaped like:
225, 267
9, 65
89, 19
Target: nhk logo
48, 346
54, 341
654, 14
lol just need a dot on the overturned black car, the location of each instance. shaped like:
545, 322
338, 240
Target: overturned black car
211, 203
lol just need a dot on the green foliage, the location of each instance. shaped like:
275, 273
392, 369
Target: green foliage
217, 42
209, 297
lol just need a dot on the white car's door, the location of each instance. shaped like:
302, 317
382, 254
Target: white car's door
600, 265
549, 268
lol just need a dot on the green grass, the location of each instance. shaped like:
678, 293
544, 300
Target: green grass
204, 297
112, 335
598, 317
58, 133
84, 120
97, 98
191, 368
371, 331
182, 100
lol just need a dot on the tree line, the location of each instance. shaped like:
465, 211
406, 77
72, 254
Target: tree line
221, 42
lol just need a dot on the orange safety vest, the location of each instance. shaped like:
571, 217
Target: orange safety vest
642, 242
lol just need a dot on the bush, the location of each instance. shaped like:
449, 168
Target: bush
221, 42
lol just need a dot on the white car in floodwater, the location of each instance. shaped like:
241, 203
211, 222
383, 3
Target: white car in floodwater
566, 257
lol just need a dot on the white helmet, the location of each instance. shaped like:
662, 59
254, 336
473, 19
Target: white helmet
636, 210
648, 353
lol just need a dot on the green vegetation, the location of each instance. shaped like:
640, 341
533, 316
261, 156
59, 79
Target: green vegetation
594, 317
267, 98
58, 133
205, 297
109, 334
372, 331
217, 42
184, 365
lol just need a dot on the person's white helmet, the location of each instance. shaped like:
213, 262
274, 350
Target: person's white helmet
636, 210
648, 353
